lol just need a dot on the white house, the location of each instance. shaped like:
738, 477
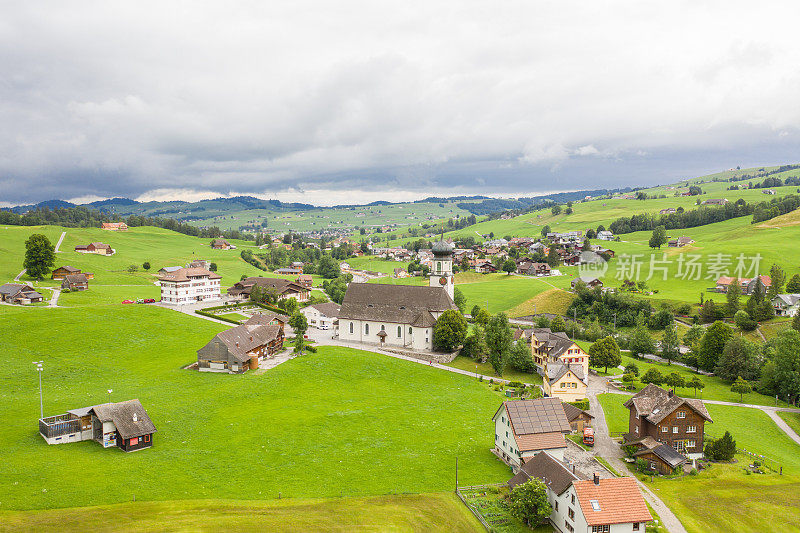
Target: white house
525, 428
612, 505
322, 316
786, 304
189, 285
605, 235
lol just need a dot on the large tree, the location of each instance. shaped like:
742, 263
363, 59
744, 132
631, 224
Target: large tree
520, 357
793, 287
740, 358
781, 374
659, 237
449, 331
299, 324
475, 344
733, 296
553, 259
459, 299
778, 277
499, 340
670, 343
528, 502
328, 267
40, 256
713, 344
605, 353
641, 342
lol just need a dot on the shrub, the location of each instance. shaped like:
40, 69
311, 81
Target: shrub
721, 449
311, 349
632, 369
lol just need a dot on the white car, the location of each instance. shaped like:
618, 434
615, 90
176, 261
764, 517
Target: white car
324, 326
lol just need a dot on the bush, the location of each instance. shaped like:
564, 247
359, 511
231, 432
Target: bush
632, 369
311, 349
684, 309
721, 449
744, 322
583, 405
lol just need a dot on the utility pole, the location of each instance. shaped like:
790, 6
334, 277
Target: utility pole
41, 401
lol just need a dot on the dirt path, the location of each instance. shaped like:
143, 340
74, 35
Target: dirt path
54, 298
20, 274
60, 240
773, 414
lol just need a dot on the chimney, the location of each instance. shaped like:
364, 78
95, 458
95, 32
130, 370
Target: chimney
596, 478
671, 393
135, 418
251, 338
237, 344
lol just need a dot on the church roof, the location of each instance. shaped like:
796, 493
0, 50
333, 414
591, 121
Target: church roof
403, 304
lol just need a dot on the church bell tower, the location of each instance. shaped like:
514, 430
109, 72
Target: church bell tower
442, 271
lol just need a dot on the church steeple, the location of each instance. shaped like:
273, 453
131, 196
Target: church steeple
442, 272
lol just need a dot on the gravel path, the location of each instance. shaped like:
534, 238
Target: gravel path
60, 240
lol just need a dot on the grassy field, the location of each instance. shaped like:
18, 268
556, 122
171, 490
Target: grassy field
500, 291
792, 419
550, 301
317, 426
511, 374
616, 414
235, 316
407, 512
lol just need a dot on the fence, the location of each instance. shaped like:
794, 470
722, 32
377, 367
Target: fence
474, 511
768, 462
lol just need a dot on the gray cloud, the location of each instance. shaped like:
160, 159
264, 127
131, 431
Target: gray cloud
122, 98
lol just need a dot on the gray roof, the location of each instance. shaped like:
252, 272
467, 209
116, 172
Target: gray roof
279, 285
554, 343
654, 403
122, 414
83, 411
788, 299
76, 278
540, 415
330, 309
557, 370
551, 471
403, 304
68, 268
666, 453
10, 289
442, 248
264, 318
247, 337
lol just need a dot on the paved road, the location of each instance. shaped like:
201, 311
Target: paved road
607, 448
60, 240
54, 298
20, 274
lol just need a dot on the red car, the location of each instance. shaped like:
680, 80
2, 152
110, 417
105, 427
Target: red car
149, 300
127, 301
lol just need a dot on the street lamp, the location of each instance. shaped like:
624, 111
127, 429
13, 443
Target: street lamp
41, 402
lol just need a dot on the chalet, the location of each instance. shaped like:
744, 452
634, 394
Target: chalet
19, 293
322, 316
750, 286
669, 419
587, 281
400, 273
305, 281
605, 235
668, 211
747, 285
660, 457
533, 269
578, 418
75, 282
786, 304
524, 428
222, 244
396, 315
715, 201
239, 349
63, 271
595, 505
680, 242
281, 288
288, 271
98, 248
115, 226
299, 265
484, 266
125, 425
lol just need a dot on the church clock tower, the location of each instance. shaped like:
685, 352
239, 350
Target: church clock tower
442, 271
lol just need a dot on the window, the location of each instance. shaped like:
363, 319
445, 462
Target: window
569, 526
147, 438
410, 330
601, 529
351, 327
383, 328
556, 505
595, 505
573, 498
571, 514
366, 329
691, 429
690, 444
664, 429
134, 441
636, 526
636, 430
681, 414
674, 429
399, 331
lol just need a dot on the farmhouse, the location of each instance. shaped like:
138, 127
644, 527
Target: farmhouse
241, 348
288, 271
222, 244
95, 248
115, 226
189, 285
748, 285
75, 282
586, 280
63, 271
322, 316
578, 418
392, 315
668, 419
533, 269
125, 425
281, 288
680, 242
786, 304
524, 428
596, 505
715, 201
605, 235
660, 457
19, 293
305, 281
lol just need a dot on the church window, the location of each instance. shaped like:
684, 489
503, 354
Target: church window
351, 327
366, 329
399, 331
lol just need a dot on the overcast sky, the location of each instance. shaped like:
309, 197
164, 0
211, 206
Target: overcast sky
342, 102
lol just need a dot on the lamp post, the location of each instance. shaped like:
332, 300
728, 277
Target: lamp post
41, 402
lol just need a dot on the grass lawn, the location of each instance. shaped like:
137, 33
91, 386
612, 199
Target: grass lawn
715, 388
792, 419
407, 512
616, 414
466, 363
364, 413
554, 301
500, 291
235, 316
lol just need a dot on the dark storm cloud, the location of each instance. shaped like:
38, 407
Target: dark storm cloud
309, 101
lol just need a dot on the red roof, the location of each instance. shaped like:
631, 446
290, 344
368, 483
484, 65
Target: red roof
617, 500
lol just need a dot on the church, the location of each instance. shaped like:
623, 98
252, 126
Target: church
400, 316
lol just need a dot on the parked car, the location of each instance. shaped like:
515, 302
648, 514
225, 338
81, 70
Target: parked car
127, 301
324, 326
139, 301
149, 300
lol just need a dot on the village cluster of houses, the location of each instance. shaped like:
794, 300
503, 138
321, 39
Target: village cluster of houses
563, 365
783, 304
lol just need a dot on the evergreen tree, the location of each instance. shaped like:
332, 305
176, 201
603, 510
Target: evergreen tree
499, 339
793, 287
670, 343
712, 345
641, 342
553, 259
40, 256
778, 277
459, 299
733, 296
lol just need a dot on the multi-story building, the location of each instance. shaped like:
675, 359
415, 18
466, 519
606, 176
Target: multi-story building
188, 285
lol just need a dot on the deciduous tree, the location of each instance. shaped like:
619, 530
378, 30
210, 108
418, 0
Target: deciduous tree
670, 343
712, 344
499, 339
449, 331
659, 237
605, 353
528, 502
741, 386
40, 256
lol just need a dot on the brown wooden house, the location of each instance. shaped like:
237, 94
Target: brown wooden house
668, 419
239, 349
660, 457
578, 418
66, 270
75, 282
